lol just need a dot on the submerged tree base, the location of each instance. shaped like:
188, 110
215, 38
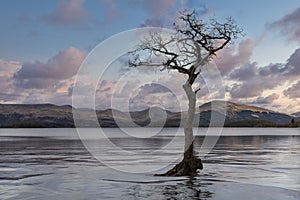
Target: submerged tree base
187, 167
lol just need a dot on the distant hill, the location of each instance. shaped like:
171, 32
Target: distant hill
241, 113
53, 116
296, 114
35, 115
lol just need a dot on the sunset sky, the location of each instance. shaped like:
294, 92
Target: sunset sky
43, 43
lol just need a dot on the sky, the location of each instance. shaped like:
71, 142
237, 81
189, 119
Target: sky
43, 44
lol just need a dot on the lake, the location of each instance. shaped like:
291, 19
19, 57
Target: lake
245, 163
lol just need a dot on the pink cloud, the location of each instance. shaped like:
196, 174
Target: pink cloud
40, 75
235, 56
8, 68
68, 13
7, 89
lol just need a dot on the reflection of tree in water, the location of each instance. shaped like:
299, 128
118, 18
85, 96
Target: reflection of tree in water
191, 188
195, 185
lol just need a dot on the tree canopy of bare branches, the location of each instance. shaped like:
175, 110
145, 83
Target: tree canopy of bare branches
193, 45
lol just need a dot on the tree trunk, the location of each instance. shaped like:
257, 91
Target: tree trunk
190, 163
188, 125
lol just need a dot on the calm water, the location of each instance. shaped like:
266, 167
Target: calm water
54, 164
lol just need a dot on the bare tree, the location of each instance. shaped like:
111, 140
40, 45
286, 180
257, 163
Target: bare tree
193, 46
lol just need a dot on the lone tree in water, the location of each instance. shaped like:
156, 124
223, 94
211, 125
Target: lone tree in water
193, 46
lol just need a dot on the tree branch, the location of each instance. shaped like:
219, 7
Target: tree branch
197, 90
192, 47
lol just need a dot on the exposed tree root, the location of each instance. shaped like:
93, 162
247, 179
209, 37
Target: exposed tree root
187, 167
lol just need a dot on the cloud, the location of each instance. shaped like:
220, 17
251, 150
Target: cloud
293, 91
290, 69
293, 63
140, 93
42, 75
245, 72
253, 80
288, 25
161, 13
8, 68
256, 84
42, 90
68, 13
153, 22
8, 91
158, 11
235, 56
153, 95
253, 84
266, 100
273, 69
246, 90
158, 8
152, 88
167, 9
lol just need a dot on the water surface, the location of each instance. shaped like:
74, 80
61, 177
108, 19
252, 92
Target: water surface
54, 164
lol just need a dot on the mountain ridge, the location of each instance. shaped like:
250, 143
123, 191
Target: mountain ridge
50, 115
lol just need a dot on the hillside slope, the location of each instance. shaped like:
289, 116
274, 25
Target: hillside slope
49, 115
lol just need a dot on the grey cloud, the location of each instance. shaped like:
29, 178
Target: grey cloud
290, 69
294, 63
288, 25
228, 59
245, 72
37, 83
266, 100
153, 94
245, 90
161, 13
157, 11
42, 75
153, 89
272, 69
255, 86
138, 97
253, 79
7, 97
293, 91
153, 22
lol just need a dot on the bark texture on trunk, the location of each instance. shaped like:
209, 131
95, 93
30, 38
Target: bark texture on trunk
188, 124
190, 163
